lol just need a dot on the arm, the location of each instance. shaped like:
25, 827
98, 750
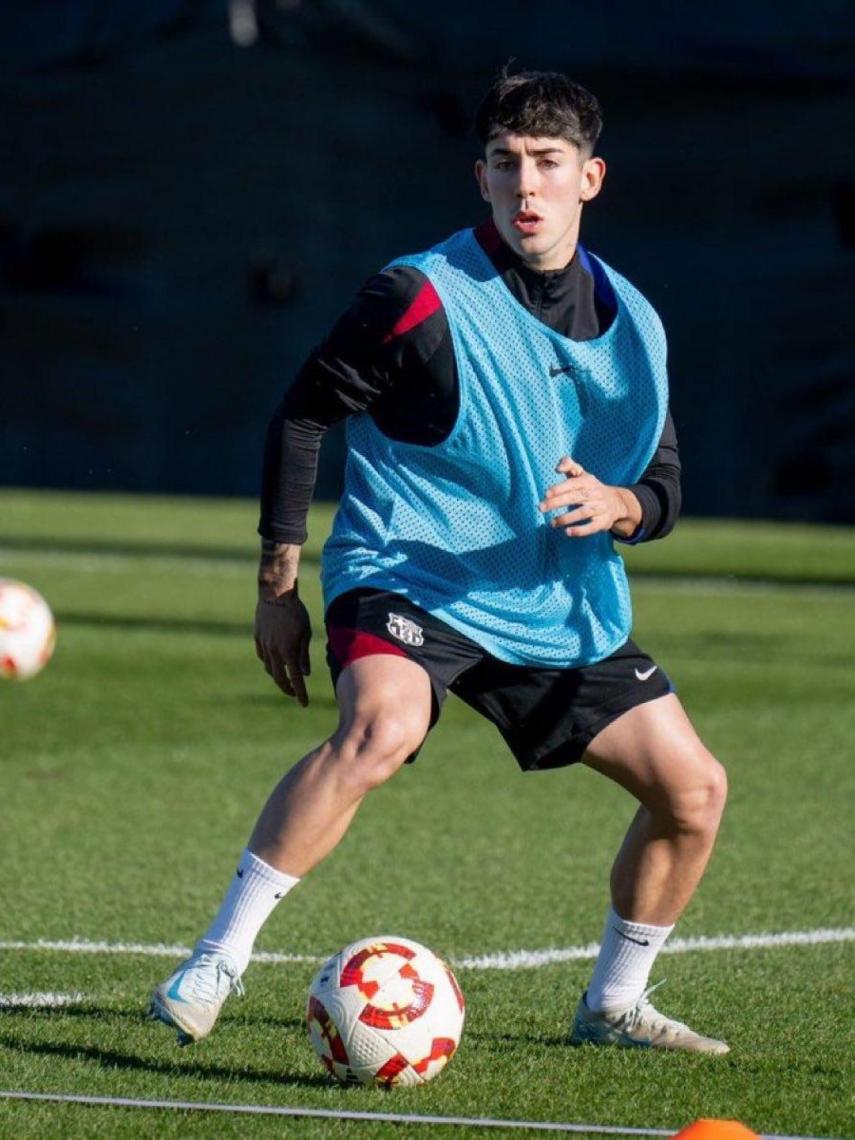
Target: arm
648, 509
282, 627
349, 372
658, 490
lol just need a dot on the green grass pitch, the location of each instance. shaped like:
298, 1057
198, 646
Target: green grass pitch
133, 768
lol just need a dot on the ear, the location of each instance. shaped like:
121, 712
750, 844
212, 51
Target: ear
481, 178
593, 173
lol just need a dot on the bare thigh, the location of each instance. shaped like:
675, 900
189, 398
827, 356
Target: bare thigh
383, 696
384, 707
654, 752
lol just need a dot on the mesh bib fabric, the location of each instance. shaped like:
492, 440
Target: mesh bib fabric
456, 527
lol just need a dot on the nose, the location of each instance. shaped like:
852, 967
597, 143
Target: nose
527, 179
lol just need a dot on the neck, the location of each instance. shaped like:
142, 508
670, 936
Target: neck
496, 246
550, 263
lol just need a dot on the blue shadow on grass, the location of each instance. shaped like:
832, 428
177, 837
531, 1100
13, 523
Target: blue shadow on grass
183, 1064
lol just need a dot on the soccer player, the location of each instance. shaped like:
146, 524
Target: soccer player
506, 395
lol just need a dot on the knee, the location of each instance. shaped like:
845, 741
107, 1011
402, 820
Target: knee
374, 747
696, 805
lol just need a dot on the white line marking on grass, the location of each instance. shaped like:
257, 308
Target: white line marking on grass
39, 1000
336, 1114
345, 1114
532, 959
146, 949
501, 960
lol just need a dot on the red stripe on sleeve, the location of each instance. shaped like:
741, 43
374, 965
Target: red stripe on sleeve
424, 305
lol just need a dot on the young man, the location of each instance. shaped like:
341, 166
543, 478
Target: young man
471, 374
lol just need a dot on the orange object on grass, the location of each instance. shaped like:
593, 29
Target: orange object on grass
716, 1130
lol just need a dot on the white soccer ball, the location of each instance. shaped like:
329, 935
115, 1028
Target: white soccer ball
385, 1011
27, 631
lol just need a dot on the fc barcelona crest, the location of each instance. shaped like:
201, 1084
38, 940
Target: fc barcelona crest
404, 629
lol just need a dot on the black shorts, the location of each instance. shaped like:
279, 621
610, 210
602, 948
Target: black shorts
547, 716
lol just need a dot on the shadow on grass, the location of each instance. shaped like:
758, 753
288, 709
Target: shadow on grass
88, 1012
500, 1041
141, 549
763, 576
112, 1059
745, 577
157, 624
317, 699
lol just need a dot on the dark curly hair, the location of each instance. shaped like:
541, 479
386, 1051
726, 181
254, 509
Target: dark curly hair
540, 104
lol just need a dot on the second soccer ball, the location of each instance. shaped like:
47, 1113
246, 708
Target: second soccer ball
27, 632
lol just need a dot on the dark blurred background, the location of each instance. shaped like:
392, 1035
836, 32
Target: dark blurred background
191, 190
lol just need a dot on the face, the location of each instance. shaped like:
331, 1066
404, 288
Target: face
537, 187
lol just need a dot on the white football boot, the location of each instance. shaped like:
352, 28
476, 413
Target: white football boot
641, 1026
191, 998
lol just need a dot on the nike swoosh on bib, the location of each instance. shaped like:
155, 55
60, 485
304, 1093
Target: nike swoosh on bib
647, 674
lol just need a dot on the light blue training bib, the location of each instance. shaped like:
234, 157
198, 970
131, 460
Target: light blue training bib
456, 527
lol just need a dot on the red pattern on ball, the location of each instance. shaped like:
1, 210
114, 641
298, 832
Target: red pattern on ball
329, 1031
398, 1016
441, 1047
387, 1074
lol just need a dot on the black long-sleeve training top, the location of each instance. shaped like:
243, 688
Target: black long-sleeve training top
391, 355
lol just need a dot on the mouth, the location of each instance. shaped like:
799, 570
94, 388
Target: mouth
527, 222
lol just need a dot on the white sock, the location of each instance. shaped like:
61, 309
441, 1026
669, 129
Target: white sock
254, 892
625, 960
